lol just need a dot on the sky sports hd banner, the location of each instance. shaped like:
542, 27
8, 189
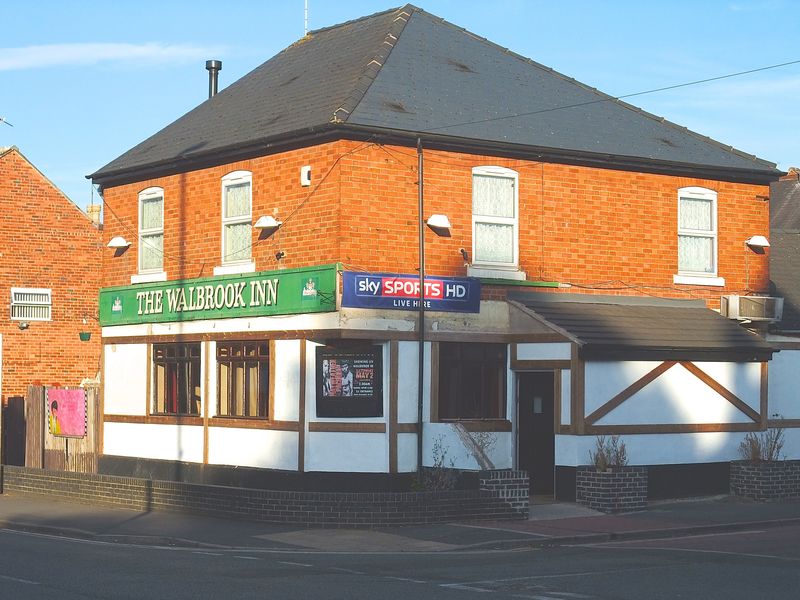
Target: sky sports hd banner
401, 292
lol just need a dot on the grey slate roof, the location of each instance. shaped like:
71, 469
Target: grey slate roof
784, 252
405, 71
645, 328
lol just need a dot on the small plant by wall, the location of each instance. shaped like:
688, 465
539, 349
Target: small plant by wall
763, 474
609, 484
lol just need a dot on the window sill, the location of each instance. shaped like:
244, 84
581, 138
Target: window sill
245, 267
698, 280
148, 277
489, 273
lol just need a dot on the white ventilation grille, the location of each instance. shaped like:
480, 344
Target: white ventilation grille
31, 304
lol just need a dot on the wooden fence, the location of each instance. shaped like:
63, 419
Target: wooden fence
52, 452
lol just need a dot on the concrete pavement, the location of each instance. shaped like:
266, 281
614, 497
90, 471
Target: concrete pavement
550, 524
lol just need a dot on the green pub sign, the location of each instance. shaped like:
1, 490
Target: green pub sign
289, 291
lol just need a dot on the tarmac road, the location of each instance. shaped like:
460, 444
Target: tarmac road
760, 563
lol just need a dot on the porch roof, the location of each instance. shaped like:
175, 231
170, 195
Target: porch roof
643, 328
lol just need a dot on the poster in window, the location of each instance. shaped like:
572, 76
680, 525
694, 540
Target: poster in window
66, 412
349, 382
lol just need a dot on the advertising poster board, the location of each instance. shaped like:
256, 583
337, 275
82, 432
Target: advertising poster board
66, 412
349, 382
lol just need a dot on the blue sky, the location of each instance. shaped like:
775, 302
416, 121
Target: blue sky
82, 82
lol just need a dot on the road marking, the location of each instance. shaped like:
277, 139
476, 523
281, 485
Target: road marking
293, 564
18, 580
700, 551
530, 533
207, 553
246, 557
350, 571
408, 579
552, 576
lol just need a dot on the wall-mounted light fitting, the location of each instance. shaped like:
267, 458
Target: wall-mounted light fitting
118, 242
465, 256
439, 224
268, 225
279, 255
23, 325
757, 241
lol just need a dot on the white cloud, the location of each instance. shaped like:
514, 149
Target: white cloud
60, 55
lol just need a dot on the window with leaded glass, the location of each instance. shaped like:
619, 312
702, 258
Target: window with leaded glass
243, 379
176, 379
236, 217
472, 381
494, 217
697, 231
151, 230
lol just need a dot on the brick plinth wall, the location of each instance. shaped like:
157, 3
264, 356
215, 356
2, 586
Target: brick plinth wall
620, 489
511, 486
322, 509
765, 481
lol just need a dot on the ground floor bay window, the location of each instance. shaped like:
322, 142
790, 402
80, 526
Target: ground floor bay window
472, 381
243, 379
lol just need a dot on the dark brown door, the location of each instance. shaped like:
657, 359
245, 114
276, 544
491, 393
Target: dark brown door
535, 432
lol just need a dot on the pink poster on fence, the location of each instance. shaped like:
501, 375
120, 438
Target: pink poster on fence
66, 410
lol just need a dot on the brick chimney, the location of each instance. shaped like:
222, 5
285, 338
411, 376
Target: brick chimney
792, 175
93, 210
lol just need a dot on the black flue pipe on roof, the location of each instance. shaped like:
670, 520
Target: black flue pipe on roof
213, 67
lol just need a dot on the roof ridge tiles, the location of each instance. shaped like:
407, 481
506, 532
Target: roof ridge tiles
352, 21
373, 67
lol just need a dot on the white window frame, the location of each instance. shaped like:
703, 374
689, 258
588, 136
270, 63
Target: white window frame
229, 180
500, 172
149, 194
44, 302
700, 193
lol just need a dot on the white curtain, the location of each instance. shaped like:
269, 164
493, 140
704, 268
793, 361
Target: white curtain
237, 242
152, 252
153, 213
237, 200
494, 243
492, 196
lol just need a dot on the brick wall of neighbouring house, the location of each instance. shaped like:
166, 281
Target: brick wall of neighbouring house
330, 509
766, 480
46, 242
587, 226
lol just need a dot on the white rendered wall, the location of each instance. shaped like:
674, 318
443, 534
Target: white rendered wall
287, 380
408, 382
406, 452
658, 448
125, 375
550, 351
348, 452
262, 448
566, 397
784, 384
675, 397
163, 442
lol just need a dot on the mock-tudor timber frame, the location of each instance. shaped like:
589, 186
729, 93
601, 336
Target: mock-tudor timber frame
583, 424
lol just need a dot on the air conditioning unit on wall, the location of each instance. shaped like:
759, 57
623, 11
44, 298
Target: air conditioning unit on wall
751, 308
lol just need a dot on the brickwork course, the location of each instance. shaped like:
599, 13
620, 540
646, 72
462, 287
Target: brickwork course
324, 509
46, 241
